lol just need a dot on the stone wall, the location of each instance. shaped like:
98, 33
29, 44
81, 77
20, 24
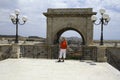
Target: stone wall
41, 50
5, 51
26, 50
33, 51
109, 43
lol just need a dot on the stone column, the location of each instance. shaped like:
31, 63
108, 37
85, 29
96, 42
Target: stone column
16, 50
49, 52
101, 51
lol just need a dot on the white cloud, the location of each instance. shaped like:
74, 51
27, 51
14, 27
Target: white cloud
112, 3
36, 24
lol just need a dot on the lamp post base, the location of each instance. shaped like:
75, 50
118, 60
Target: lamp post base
16, 50
101, 43
101, 57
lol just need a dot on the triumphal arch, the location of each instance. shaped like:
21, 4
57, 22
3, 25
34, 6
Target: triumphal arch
61, 20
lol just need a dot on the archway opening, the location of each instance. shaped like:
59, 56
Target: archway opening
75, 41
72, 37
74, 31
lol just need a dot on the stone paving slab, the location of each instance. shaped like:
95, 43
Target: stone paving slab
47, 69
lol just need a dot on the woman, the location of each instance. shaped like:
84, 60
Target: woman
62, 52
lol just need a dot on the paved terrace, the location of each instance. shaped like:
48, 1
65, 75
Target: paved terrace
46, 69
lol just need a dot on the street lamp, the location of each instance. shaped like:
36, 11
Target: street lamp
103, 21
15, 20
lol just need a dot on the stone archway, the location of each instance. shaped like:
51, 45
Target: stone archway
60, 20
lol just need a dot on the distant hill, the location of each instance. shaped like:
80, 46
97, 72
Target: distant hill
74, 38
7, 36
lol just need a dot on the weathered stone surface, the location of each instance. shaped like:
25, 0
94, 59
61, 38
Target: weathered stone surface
17, 51
5, 51
45, 69
101, 51
34, 51
61, 20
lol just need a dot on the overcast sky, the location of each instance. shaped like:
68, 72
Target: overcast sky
36, 24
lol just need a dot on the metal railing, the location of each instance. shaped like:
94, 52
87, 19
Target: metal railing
113, 59
89, 53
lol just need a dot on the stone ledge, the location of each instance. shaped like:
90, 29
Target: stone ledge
69, 12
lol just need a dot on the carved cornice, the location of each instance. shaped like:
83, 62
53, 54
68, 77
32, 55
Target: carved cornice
69, 12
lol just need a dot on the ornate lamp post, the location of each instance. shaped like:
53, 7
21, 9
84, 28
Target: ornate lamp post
103, 21
15, 20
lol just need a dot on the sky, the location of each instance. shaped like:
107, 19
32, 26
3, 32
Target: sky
36, 24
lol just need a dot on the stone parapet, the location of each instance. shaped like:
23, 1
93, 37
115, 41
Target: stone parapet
23, 50
101, 54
